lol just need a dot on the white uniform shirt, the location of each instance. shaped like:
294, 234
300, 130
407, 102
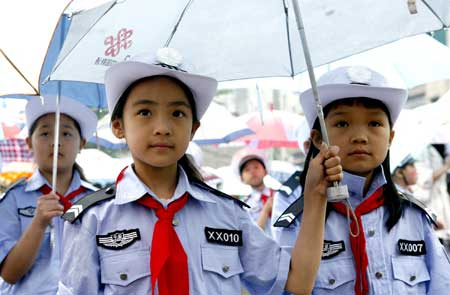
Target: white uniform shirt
216, 264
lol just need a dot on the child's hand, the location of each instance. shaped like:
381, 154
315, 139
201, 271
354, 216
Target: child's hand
48, 206
323, 170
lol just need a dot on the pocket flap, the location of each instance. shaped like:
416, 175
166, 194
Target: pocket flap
335, 273
125, 268
221, 260
410, 270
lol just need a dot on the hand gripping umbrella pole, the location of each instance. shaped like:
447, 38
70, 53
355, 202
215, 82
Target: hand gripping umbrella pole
337, 192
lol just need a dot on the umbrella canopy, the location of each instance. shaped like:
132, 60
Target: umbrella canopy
218, 125
237, 39
272, 129
411, 61
26, 27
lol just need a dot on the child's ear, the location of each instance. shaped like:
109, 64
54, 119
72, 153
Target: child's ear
316, 138
82, 143
195, 127
391, 137
117, 128
28, 141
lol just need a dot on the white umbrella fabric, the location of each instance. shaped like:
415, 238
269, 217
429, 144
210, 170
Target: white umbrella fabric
26, 28
411, 61
237, 39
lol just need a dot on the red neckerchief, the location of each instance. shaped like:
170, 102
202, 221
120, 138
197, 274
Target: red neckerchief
64, 200
168, 260
358, 244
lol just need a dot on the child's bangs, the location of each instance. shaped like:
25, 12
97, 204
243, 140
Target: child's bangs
369, 103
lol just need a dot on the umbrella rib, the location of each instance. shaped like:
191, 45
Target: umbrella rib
82, 37
286, 13
178, 23
175, 28
18, 71
435, 13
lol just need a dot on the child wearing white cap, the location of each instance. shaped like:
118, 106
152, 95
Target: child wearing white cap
252, 168
28, 209
396, 250
162, 230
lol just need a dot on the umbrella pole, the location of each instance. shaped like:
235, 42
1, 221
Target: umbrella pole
55, 162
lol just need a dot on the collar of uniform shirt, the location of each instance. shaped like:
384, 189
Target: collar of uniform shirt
356, 183
130, 188
37, 180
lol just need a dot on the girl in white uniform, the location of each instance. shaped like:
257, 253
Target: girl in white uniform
28, 210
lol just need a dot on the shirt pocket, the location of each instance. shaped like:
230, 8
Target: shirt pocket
336, 276
410, 275
221, 268
126, 272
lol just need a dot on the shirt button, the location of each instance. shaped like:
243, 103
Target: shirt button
371, 233
412, 278
331, 281
378, 275
175, 222
225, 268
123, 276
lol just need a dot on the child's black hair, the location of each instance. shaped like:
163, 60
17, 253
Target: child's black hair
190, 169
392, 200
76, 166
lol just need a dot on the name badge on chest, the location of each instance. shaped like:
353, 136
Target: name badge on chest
412, 248
225, 237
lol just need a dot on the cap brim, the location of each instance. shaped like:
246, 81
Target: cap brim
86, 118
393, 98
120, 76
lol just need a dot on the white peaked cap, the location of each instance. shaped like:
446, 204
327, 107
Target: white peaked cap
38, 106
354, 81
166, 62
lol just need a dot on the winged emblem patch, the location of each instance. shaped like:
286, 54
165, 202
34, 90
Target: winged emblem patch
118, 240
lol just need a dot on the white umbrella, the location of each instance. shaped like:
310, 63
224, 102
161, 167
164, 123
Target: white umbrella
26, 27
237, 39
411, 61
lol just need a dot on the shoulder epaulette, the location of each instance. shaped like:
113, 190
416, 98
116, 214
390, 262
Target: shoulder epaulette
411, 199
81, 206
219, 193
291, 213
291, 184
10, 187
